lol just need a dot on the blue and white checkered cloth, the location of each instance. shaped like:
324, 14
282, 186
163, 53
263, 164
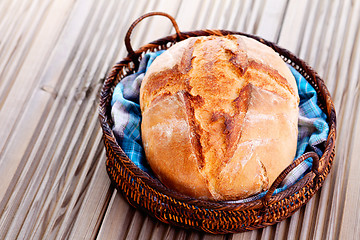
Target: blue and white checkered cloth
313, 128
126, 113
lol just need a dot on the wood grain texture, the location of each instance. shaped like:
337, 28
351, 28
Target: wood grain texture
54, 56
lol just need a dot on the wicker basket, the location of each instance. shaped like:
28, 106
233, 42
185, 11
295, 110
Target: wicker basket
149, 195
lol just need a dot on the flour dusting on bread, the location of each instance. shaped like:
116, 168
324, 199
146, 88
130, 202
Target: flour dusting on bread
219, 117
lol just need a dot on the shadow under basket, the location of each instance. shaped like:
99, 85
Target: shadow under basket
149, 195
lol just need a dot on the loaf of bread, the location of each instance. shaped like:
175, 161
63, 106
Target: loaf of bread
219, 117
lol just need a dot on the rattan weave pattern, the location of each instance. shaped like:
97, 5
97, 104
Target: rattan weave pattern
149, 195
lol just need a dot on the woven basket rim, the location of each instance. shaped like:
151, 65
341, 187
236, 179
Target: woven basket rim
128, 66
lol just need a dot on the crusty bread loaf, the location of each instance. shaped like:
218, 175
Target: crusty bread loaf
219, 117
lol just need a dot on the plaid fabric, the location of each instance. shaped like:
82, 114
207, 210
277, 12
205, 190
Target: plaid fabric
126, 114
313, 128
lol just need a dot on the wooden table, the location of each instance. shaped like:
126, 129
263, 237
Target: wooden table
54, 56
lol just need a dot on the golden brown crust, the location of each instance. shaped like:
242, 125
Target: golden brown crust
216, 114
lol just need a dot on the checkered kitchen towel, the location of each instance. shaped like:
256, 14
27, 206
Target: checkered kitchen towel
126, 113
313, 128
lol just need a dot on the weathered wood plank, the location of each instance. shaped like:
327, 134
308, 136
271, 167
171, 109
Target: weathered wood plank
349, 225
346, 120
13, 158
79, 95
116, 223
271, 19
93, 207
292, 25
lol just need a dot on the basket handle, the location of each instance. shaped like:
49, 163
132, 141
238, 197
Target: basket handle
283, 174
131, 28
